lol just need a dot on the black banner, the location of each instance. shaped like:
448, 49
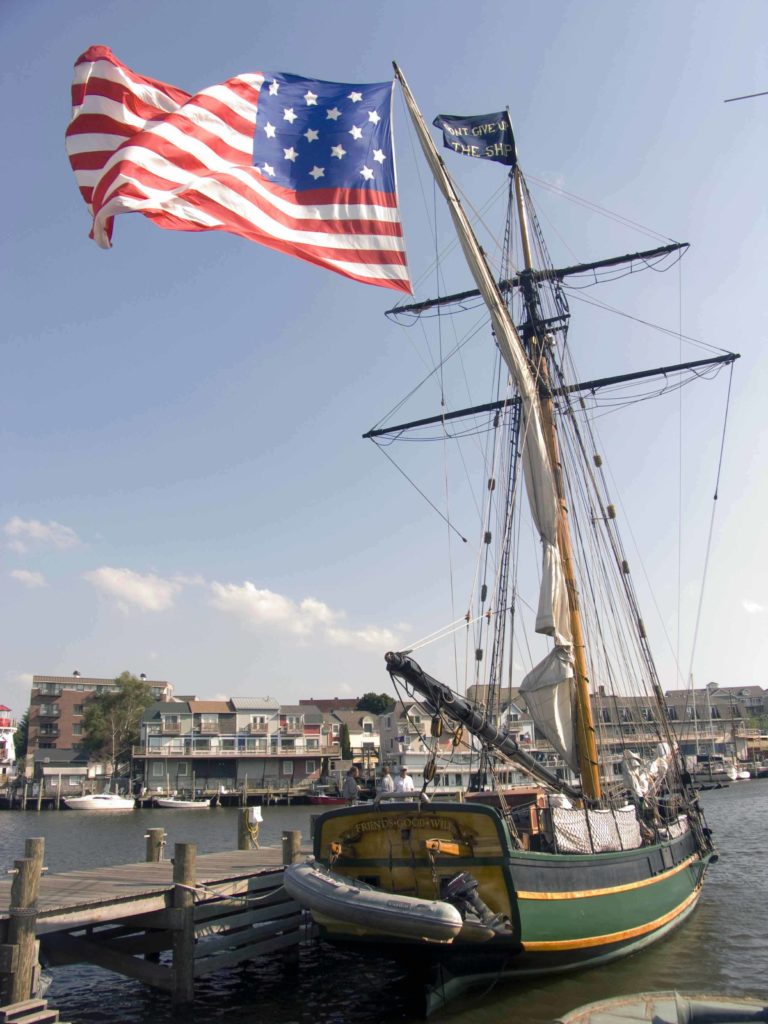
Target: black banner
483, 136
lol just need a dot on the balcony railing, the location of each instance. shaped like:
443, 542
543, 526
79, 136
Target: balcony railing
189, 748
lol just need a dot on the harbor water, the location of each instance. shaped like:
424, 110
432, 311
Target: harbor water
722, 947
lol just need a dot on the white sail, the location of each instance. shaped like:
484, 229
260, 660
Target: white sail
552, 618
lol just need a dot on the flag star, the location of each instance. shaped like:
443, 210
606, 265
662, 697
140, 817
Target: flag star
379, 156
355, 132
290, 154
373, 117
338, 151
367, 173
267, 169
288, 115
269, 130
356, 97
311, 98
333, 114
273, 88
311, 135
317, 172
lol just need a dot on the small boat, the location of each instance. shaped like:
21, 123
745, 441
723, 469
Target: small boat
668, 1008
100, 802
362, 907
181, 803
325, 799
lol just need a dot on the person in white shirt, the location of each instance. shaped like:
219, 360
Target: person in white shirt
386, 782
351, 790
404, 782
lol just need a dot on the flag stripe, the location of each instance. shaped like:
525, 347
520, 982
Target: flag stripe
186, 162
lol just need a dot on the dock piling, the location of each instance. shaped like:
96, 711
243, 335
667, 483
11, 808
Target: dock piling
155, 844
185, 879
291, 846
22, 921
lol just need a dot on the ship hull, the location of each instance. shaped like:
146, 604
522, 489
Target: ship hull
563, 911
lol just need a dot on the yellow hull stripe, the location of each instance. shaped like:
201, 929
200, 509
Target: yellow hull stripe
605, 940
581, 894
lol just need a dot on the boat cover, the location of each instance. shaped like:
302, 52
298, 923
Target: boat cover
580, 831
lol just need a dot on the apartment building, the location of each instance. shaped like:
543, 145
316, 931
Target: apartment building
57, 706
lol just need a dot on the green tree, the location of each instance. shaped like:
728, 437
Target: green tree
376, 703
111, 719
346, 746
21, 736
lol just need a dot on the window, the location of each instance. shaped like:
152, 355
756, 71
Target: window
690, 714
714, 712
625, 715
671, 713
182, 768
646, 714
335, 729
310, 767
605, 715
313, 744
77, 729
77, 709
158, 770
287, 767
368, 727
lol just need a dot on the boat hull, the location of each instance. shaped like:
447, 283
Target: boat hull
564, 911
184, 805
99, 802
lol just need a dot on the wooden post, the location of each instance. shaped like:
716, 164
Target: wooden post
40, 788
155, 844
291, 846
184, 877
243, 832
312, 823
34, 849
245, 791
58, 794
22, 920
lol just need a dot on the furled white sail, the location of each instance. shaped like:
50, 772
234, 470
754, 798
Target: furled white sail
552, 617
547, 693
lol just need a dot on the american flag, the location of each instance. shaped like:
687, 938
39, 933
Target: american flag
302, 166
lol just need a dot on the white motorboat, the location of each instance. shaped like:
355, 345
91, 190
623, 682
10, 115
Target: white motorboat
100, 802
177, 801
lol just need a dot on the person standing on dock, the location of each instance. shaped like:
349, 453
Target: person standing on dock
404, 783
351, 790
386, 782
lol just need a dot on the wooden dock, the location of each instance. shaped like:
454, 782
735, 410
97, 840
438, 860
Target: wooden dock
164, 923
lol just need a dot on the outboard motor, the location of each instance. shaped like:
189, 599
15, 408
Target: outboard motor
461, 892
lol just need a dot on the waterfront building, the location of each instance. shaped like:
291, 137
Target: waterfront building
57, 707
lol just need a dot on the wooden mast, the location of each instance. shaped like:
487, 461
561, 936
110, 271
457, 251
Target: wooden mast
586, 745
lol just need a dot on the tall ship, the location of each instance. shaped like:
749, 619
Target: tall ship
608, 855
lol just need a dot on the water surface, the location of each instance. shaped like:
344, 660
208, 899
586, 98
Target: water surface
721, 948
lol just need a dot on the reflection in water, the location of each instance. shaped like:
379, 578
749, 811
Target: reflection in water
721, 948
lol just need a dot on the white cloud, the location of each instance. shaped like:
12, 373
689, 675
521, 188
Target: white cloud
29, 579
753, 607
256, 607
369, 636
24, 534
130, 589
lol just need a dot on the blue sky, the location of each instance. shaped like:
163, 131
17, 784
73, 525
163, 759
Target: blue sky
185, 491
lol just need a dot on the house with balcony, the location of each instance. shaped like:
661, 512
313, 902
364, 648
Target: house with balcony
243, 744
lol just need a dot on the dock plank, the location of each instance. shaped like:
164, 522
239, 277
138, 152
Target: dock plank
92, 896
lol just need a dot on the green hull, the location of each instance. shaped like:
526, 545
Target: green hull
565, 911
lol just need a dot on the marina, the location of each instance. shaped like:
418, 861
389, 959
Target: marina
337, 986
